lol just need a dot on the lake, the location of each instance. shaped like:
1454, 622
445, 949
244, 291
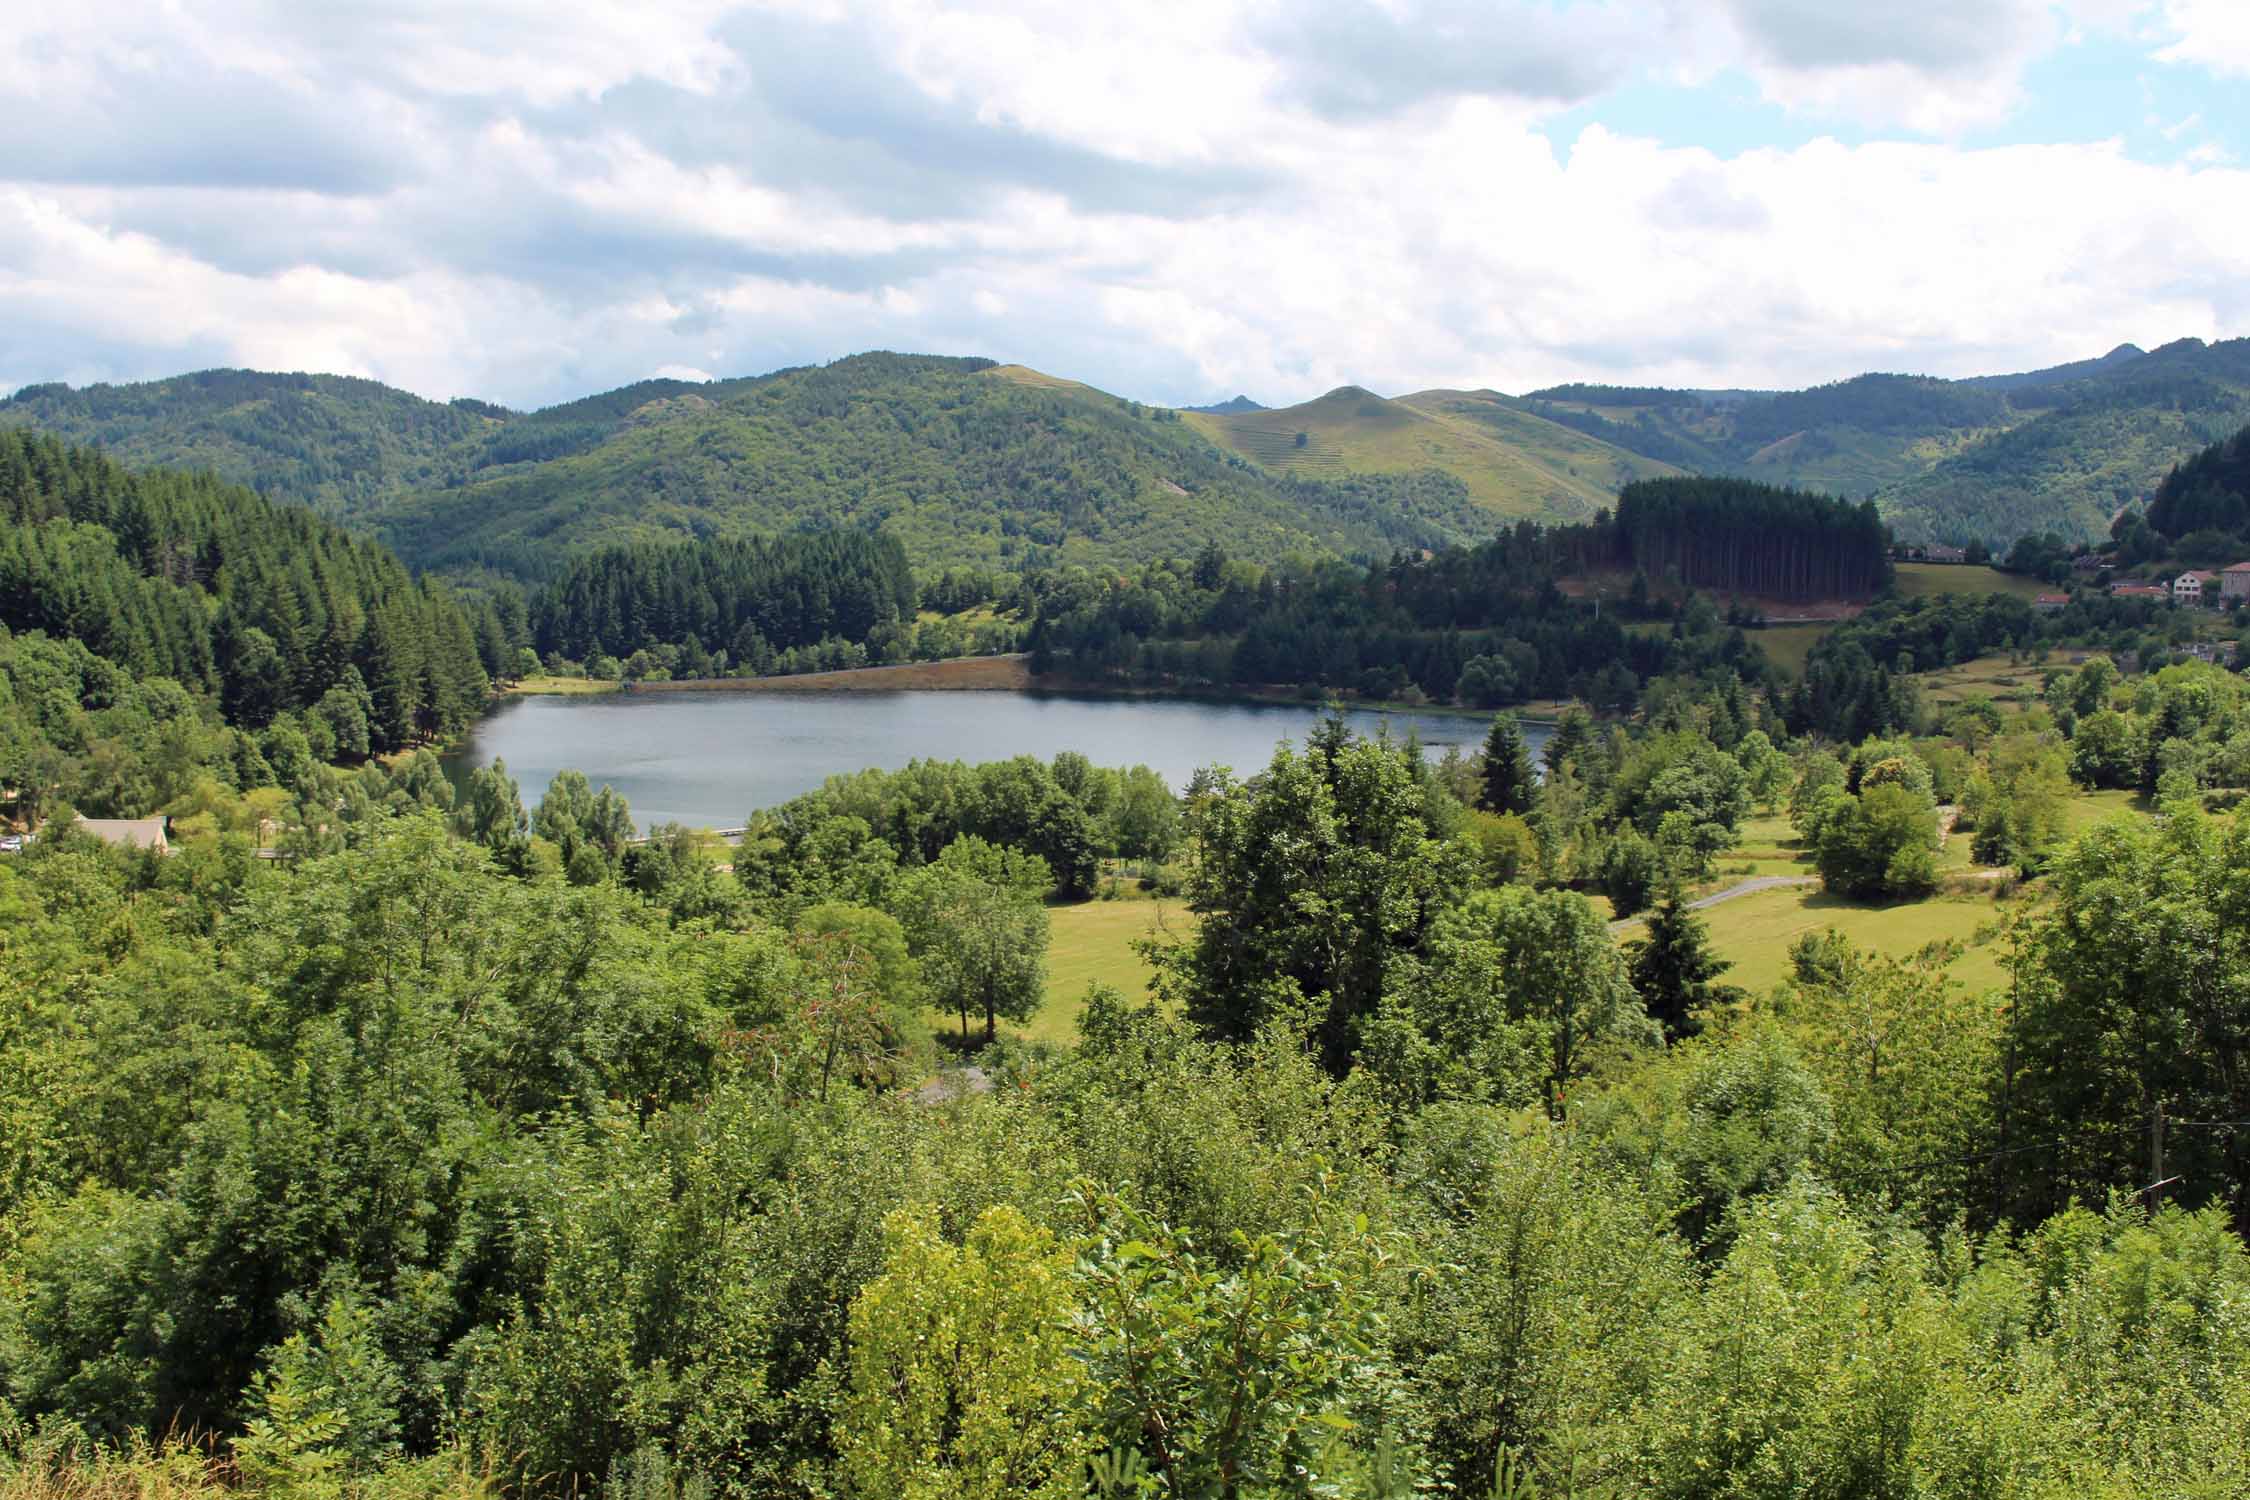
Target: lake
708, 759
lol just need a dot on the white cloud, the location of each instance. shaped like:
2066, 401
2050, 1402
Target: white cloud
1170, 201
1931, 66
2210, 33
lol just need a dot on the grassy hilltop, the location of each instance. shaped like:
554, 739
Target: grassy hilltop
1511, 462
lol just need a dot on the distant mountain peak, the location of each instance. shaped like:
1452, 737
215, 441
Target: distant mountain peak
2123, 351
1225, 408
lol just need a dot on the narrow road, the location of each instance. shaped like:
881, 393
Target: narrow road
1742, 888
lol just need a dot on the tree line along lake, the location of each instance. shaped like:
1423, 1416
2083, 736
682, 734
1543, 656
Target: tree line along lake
709, 759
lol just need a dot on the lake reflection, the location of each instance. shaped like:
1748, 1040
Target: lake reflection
708, 759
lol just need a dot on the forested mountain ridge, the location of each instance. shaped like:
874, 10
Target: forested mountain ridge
1990, 457
341, 445
963, 461
2076, 369
2096, 446
345, 446
968, 461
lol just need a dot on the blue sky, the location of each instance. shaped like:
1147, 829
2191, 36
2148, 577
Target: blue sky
2090, 88
526, 202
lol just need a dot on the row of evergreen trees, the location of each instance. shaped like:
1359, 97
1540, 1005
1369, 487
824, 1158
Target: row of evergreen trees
1744, 537
785, 591
266, 607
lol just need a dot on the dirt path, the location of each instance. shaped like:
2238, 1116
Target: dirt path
1741, 888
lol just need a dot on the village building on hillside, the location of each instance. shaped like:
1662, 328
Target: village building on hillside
130, 833
2048, 604
2139, 591
2234, 582
2194, 587
2090, 563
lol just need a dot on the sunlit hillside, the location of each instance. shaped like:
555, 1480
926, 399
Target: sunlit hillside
1512, 463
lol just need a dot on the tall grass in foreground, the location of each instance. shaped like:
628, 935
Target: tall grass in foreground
51, 1466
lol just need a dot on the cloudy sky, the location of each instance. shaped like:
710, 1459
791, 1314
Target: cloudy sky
527, 200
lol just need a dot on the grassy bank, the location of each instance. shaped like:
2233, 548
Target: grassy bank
558, 687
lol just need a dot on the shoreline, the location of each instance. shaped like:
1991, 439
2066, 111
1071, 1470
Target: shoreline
1010, 673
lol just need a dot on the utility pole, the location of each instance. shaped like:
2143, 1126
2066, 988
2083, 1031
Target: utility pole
2155, 1154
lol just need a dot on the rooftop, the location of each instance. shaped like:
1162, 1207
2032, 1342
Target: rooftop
136, 833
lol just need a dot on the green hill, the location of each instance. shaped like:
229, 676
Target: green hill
1994, 457
1511, 462
341, 445
972, 462
1852, 437
2108, 441
962, 460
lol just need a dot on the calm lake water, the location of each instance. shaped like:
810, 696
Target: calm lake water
708, 759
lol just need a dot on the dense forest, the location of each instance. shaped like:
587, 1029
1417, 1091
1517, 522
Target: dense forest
748, 598
1747, 538
1483, 624
264, 609
343, 446
965, 461
2208, 493
960, 460
423, 1166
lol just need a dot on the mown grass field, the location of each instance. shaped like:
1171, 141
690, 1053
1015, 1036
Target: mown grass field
2089, 808
1921, 580
1787, 646
1994, 677
1754, 932
1092, 943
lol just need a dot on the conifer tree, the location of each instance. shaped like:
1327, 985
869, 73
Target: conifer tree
1508, 785
1673, 967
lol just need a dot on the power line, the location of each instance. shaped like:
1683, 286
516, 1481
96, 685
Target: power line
2053, 1142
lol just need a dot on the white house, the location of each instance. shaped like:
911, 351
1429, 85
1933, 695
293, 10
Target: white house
2188, 589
